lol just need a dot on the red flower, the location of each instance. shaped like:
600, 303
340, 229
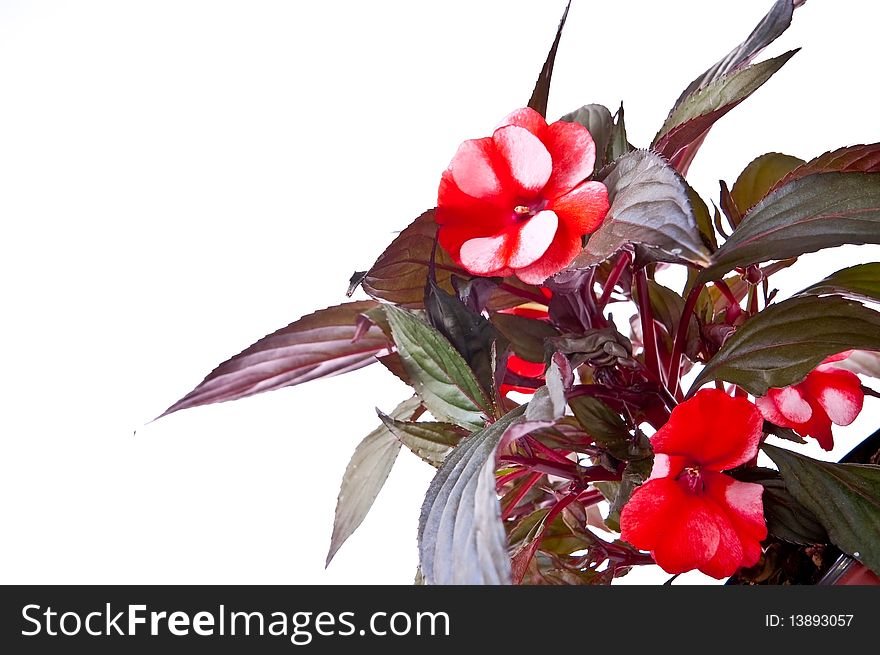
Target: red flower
690, 515
516, 364
516, 202
827, 395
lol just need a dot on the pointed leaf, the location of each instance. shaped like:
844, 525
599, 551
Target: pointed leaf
440, 376
365, 475
668, 307
844, 497
691, 119
319, 345
469, 332
649, 207
429, 440
806, 215
768, 30
540, 95
526, 335
618, 145
400, 273
851, 159
761, 175
860, 282
786, 518
784, 342
461, 536
597, 119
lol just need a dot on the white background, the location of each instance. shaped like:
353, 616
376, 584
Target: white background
178, 179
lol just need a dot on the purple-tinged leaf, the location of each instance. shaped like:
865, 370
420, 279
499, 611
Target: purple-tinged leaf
806, 215
845, 498
541, 93
400, 273
759, 177
852, 159
365, 475
780, 345
766, 32
429, 440
859, 282
316, 346
461, 536
649, 207
690, 120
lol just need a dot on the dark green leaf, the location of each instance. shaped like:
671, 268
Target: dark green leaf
461, 536
430, 441
597, 119
693, 117
851, 159
784, 342
469, 332
440, 376
786, 518
759, 177
845, 498
702, 218
809, 214
768, 30
538, 101
603, 424
861, 282
650, 207
319, 345
365, 475
527, 335
618, 145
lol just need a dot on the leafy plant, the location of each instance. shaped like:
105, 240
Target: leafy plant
505, 288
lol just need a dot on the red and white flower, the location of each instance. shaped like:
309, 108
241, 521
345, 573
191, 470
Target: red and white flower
827, 395
517, 202
689, 514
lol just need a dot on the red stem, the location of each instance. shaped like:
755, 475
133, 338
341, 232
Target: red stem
549, 452
509, 477
521, 494
623, 260
681, 338
733, 309
649, 336
522, 293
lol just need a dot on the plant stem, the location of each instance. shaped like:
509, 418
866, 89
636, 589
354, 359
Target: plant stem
521, 494
523, 293
649, 336
681, 338
733, 308
623, 260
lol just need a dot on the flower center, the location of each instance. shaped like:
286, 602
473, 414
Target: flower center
691, 479
527, 210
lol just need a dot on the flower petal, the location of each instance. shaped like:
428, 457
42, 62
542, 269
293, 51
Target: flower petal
485, 255
474, 169
712, 429
527, 159
743, 506
646, 516
535, 236
839, 392
527, 118
728, 556
792, 404
584, 207
692, 537
562, 250
666, 466
574, 154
